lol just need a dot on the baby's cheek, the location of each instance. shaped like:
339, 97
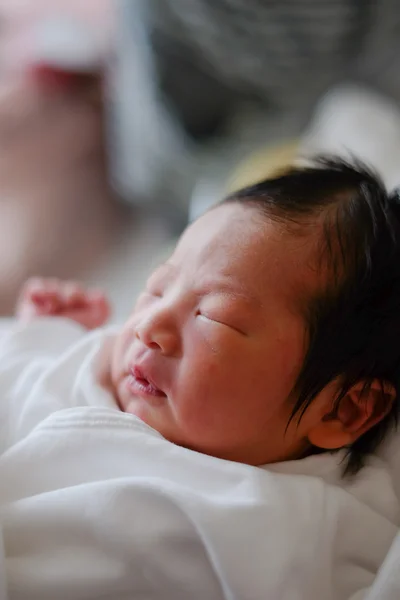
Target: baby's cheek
288, 359
120, 350
200, 423
204, 398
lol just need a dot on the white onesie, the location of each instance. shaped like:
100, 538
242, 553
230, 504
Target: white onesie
95, 504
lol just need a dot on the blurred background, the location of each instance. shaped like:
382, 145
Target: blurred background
120, 120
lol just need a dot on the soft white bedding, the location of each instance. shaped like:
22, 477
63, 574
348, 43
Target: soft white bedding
387, 583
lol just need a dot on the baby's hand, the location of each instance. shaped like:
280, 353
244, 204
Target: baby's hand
51, 297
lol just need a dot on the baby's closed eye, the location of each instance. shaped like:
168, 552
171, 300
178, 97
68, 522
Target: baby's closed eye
214, 312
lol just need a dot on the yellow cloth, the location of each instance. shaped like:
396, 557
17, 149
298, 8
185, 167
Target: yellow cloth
263, 164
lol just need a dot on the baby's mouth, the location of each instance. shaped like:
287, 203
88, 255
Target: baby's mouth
141, 383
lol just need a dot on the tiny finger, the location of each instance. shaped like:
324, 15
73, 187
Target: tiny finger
74, 295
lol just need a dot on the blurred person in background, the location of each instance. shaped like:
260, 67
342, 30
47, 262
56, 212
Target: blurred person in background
200, 83
58, 213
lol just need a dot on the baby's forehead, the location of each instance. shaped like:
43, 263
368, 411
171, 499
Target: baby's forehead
257, 255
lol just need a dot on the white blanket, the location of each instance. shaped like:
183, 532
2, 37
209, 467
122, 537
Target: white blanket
94, 504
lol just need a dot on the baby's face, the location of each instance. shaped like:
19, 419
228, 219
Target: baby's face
216, 341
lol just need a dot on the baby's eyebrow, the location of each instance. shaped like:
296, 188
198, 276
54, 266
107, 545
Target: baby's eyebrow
226, 289
215, 287
165, 265
164, 269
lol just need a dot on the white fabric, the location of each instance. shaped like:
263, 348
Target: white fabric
339, 127
95, 504
387, 583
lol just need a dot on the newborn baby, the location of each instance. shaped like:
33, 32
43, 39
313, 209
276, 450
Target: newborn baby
268, 339
215, 350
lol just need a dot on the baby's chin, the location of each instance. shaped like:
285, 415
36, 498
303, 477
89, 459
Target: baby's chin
151, 411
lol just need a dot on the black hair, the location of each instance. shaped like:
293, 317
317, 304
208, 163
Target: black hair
354, 323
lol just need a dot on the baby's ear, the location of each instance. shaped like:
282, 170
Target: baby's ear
361, 408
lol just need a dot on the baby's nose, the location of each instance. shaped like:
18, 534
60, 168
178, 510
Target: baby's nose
158, 334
